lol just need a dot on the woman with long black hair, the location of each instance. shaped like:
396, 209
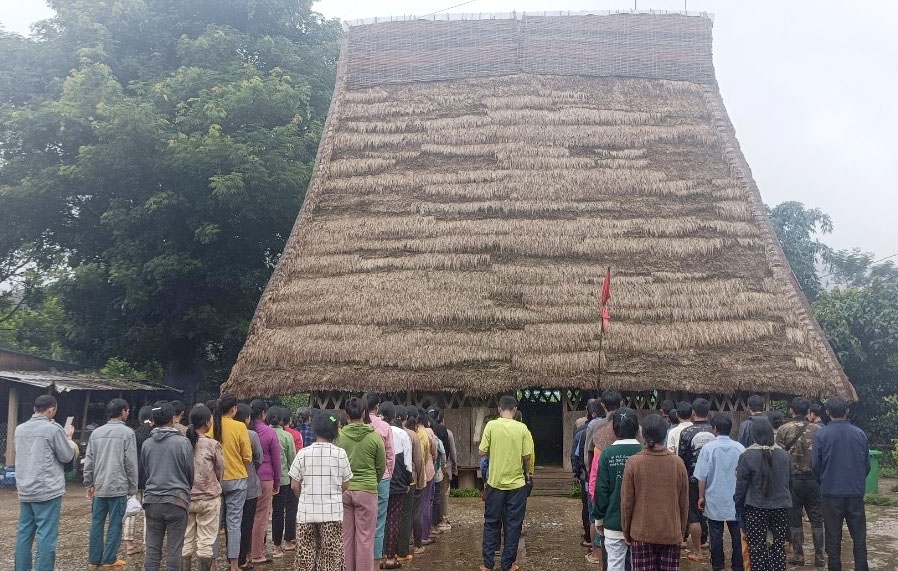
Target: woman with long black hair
238, 452
205, 495
763, 497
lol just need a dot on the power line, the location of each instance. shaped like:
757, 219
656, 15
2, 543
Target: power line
449, 8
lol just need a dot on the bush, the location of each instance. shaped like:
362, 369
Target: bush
464, 493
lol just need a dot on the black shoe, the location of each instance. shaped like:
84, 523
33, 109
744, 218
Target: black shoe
819, 561
796, 562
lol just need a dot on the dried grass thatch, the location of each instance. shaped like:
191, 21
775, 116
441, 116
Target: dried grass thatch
457, 227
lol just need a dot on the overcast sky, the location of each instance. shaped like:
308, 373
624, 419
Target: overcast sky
809, 86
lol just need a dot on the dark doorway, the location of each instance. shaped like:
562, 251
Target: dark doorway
543, 416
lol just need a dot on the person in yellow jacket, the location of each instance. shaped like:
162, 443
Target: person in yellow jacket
238, 452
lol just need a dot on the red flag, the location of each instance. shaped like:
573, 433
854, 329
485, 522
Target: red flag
606, 295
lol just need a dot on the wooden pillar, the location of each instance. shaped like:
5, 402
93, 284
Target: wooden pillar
12, 419
84, 414
467, 479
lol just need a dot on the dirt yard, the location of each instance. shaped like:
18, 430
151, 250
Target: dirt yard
551, 542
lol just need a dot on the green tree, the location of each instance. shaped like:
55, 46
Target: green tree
798, 228
160, 150
861, 323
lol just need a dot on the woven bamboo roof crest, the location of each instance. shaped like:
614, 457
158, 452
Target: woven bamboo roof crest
475, 178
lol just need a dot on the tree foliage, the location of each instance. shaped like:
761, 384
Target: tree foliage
798, 229
158, 151
858, 311
861, 323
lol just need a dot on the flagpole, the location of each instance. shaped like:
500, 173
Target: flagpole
604, 319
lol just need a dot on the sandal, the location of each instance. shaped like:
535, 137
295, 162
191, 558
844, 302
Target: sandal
695, 557
134, 550
593, 560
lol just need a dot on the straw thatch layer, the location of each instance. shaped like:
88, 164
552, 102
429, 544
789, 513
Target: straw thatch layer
456, 233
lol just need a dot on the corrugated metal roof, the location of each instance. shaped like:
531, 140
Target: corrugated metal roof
67, 382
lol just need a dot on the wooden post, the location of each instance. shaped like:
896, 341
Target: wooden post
84, 414
12, 419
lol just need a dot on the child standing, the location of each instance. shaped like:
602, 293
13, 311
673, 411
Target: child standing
283, 523
319, 475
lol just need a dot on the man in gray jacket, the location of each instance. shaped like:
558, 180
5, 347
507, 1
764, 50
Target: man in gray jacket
167, 460
110, 473
42, 448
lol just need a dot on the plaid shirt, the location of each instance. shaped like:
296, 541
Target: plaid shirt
322, 469
308, 435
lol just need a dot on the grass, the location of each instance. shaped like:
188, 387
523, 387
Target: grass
878, 500
464, 493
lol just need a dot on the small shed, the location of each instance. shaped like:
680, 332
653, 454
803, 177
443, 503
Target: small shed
76, 393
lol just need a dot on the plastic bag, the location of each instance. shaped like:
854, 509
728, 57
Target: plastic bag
133, 508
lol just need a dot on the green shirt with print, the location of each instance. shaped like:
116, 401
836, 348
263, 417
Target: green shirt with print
506, 441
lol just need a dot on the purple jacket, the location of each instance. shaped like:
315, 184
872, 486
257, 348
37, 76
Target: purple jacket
271, 453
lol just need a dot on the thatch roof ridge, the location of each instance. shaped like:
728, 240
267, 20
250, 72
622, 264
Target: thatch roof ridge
470, 260
780, 264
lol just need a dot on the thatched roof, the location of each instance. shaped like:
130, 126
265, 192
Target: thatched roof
474, 180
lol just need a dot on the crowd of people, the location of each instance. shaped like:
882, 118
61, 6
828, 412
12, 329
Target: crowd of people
368, 486
676, 482
363, 488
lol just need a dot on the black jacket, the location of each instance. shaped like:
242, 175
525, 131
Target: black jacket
748, 480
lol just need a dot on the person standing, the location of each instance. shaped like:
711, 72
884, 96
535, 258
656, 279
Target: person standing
178, 421
507, 445
429, 445
167, 460
755, 405
368, 459
244, 414
654, 501
110, 474
816, 414
407, 422
607, 505
441, 491
141, 434
692, 439
715, 472
579, 472
763, 497
841, 462
204, 512
400, 485
269, 472
372, 401
283, 522
42, 449
684, 417
319, 476
237, 450
304, 418
797, 438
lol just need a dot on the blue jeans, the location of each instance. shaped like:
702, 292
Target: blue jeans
715, 529
41, 520
113, 508
383, 497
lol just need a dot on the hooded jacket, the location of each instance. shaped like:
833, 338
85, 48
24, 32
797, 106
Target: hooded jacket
166, 459
367, 456
110, 463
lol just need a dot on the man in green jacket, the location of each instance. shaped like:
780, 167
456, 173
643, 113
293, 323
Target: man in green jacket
368, 460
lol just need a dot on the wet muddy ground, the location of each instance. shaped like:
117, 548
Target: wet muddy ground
551, 541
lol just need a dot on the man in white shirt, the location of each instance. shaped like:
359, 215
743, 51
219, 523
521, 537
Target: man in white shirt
684, 413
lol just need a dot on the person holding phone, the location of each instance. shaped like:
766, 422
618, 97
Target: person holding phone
43, 447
